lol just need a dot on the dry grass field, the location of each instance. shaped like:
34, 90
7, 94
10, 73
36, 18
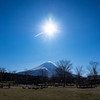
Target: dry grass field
54, 93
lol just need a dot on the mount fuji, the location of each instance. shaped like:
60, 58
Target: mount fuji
45, 69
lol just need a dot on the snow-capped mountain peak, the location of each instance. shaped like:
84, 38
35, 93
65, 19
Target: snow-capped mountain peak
47, 68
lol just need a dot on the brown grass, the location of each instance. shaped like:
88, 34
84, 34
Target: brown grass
55, 93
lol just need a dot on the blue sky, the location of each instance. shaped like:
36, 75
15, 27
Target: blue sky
78, 38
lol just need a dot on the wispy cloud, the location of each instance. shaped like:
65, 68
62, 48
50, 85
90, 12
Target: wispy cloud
38, 34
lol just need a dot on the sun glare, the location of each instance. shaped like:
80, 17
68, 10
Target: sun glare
49, 28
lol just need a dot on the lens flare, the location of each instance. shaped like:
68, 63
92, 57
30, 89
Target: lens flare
49, 28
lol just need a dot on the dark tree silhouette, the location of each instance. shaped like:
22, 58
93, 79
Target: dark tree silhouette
63, 69
79, 71
2, 72
93, 70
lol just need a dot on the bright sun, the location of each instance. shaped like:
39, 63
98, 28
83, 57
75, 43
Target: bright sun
49, 28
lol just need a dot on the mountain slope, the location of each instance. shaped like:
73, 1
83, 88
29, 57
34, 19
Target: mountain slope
45, 69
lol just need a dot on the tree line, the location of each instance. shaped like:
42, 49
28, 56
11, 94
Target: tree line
63, 76
92, 79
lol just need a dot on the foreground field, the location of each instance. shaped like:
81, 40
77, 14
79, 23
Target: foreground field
55, 93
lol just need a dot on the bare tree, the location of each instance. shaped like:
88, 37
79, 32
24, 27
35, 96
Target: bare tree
63, 69
93, 70
79, 71
2, 71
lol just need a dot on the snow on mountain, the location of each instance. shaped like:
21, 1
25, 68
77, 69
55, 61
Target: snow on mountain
45, 69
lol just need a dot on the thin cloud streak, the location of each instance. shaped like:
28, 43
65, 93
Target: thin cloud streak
38, 34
